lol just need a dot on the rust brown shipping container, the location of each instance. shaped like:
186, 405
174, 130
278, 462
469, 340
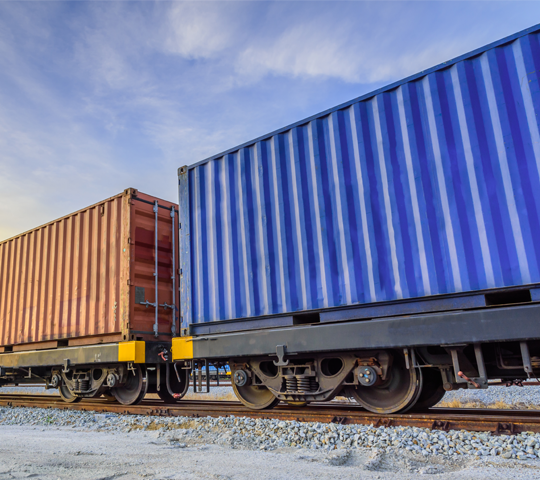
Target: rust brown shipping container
89, 277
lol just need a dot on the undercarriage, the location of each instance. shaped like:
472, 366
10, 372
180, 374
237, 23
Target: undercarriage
126, 383
383, 381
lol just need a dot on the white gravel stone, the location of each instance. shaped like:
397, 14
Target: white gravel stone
270, 434
526, 396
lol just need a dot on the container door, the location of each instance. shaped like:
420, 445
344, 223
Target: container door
154, 273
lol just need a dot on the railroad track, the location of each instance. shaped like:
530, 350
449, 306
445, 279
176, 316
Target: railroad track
499, 422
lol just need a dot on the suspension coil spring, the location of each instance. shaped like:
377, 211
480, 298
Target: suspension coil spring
84, 385
291, 384
304, 384
314, 385
76, 385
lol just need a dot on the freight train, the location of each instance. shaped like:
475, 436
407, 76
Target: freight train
386, 249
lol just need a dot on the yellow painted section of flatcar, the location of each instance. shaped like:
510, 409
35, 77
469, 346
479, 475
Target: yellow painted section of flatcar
132, 352
182, 348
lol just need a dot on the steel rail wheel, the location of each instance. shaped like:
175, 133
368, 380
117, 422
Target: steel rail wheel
398, 392
135, 388
418, 392
107, 395
67, 396
432, 389
256, 397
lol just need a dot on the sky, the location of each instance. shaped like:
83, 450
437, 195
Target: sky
96, 97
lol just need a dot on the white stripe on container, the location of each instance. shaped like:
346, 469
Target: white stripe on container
414, 194
362, 202
210, 219
299, 243
449, 228
339, 210
505, 171
281, 279
257, 168
473, 182
227, 238
314, 168
198, 249
386, 195
243, 234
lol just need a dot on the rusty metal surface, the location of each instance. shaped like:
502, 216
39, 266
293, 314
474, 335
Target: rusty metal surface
481, 420
74, 277
142, 265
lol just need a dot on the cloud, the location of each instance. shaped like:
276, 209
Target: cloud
47, 171
99, 96
361, 44
200, 30
354, 42
51, 161
110, 44
300, 52
91, 117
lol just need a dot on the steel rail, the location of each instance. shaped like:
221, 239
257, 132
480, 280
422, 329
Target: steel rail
496, 421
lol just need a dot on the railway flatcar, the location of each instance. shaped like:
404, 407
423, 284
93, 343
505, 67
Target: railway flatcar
89, 302
387, 249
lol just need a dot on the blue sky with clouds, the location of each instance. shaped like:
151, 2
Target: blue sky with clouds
96, 97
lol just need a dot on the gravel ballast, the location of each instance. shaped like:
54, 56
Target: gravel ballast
522, 397
269, 434
67, 444
88, 445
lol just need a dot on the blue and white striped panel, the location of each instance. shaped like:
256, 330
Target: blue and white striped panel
432, 187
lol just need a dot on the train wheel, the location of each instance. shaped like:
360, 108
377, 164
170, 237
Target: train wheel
181, 387
108, 396
67, 396
397, 393
432, 389
256, 397
135, 388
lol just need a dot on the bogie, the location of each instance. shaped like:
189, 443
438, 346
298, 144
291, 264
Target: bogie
384, 381
391, 385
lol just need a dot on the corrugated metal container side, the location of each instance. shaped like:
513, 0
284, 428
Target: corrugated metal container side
74, 278
428, 186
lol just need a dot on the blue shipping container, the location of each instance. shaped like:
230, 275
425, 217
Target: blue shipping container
428, 186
